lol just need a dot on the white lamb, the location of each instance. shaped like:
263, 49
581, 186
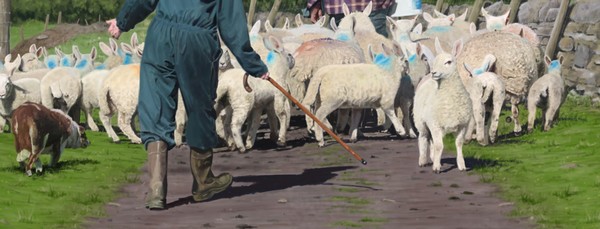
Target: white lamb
31, 60
15, 93
442, 106
548, 92
362, 86
487, 93
230, 91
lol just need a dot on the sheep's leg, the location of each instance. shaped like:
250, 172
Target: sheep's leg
531, 108
342, 119
237, 120
479, 116
2, 124
180, 121
438, 147
405, 111
227, 130
321, 114
380, 117
253, 127
125, 125
494, 119
515, 115
282, 110
549, 115
460, 140
470, 129
392, 116
273, 124
89, 119
105, 119
424, 142
356, 115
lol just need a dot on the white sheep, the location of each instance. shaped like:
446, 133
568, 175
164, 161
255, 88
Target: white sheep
442, 106
487, 93
113, 58
516, 64
493, 23
31, 60
548, 92
14, 93
362, 86
230, 91
91, 86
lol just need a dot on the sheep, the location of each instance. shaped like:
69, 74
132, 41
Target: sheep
363, 86
308, 32
113, 59
91, 84
493, 23
548, 92
515, 64
50, 61
442, 105
14, 93
30, 61
61, 86
264, 96
119, 94
487, 92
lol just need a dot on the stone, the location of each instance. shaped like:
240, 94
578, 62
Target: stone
545, 29
586, 78
574, 28
528, 12
497, 9
586, 11
593, 29
566, 44
582, 56
552, 15
544, 41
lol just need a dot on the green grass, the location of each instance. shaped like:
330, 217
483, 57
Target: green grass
30, 28
552, 176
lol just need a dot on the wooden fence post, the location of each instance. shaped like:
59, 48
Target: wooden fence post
274, 11
475, 11
251, 12
557, 29
47, 21
514, 9
439, 5
59, 18
5, 26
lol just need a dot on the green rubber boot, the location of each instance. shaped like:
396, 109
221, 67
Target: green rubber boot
157, 167
206, 185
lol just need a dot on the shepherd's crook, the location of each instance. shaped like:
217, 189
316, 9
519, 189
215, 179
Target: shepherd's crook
306, 111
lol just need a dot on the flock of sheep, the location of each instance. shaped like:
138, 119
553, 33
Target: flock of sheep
426, 81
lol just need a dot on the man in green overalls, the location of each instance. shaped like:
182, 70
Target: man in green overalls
182, 51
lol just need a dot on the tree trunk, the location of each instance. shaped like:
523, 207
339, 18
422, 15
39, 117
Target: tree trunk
5, 27
273, 12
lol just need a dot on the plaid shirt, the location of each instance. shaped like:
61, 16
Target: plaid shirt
335, 6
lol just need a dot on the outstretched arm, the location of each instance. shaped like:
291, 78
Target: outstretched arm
133, 12
233, 28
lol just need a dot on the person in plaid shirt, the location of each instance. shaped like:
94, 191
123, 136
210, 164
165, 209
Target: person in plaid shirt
381, 9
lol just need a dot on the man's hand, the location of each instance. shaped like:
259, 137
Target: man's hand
316, 12
114, 31
265, 76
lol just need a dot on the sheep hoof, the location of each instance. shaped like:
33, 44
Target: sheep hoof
242, 150
321, 144
517, 133
353, 140
436, 171
28, 173
281, 145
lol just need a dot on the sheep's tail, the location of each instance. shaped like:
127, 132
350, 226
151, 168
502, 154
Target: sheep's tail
221, 94
55, 90
313, 89
487, 92
104, 100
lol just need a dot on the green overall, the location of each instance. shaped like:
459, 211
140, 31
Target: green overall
182, 50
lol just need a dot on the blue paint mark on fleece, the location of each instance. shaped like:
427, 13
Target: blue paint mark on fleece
82, 64
271, 58
65, 62
51, 64
343, 37
554, 66
440, 29
412, 58
101, 67
128, 59
478, 71
383, 61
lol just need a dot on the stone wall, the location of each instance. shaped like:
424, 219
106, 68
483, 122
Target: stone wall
578, 44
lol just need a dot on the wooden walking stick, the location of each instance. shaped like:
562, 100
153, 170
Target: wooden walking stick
306, 111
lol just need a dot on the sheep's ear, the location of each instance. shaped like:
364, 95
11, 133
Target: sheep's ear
506, 17
371, 54
387, 51
345, 9
114, 46
397, 49
547, 60
127, 48
32, 49
58, 52
93, 53
451, 17
255, 28
45, 52
484, 12
39, 52
134, 40
140, 51
472, 28
427, 17
392, 24
438, 46
14, 65
268, 26
463, 16
321, 22
7, 58
368, 9
273, 43
418, 29
105, 48
333, 25
561, 59
76, 52
414, 20
468, 68
286, 25
458, 45
419, 50
488, 62
439, 14
298, 20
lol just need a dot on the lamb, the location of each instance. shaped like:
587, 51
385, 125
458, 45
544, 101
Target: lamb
15, 93
31, 60
50, 61
264, 96
442, 106
363, 86
493, 23
113, 59
487, 93
91, 84
515, 64
548, 92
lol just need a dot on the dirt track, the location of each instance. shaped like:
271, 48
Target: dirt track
310, 187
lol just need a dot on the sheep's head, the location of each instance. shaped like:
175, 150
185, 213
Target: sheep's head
279, 61
493, 23
391, 59
440, 21
401, 28
132, 51
225, 61
85, 62
418, 65
356, 21
486, 66
31, 60
66, 60
444, 64
6, 85
554, 65
51, 61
